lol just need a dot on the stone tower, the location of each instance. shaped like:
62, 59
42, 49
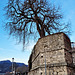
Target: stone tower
51, 55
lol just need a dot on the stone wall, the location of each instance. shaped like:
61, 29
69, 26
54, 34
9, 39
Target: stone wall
73, 55
55, 49
50, 71
70, 71
68, 57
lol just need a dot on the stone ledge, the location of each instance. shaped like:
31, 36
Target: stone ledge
71, 65
50, 65
57, 64
54, 65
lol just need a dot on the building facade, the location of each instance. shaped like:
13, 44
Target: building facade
52, 55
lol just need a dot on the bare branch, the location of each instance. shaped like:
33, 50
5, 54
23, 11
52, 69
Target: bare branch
24, 16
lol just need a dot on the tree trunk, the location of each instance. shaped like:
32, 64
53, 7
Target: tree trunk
42, 33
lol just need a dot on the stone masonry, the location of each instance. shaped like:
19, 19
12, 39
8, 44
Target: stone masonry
73, 55
55, 50
73, 52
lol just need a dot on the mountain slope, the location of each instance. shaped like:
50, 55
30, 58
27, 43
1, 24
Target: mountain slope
6, 66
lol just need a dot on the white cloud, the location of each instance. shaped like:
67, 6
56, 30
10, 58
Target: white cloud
2, 59
21, 60
15, 60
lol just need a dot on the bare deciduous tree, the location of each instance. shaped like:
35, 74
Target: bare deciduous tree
31, 16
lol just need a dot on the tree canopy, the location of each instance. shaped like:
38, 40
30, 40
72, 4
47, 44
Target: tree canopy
29, 17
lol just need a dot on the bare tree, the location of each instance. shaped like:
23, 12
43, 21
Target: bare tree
30, 16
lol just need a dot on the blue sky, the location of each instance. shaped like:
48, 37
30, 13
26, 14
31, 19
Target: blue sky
10, 49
